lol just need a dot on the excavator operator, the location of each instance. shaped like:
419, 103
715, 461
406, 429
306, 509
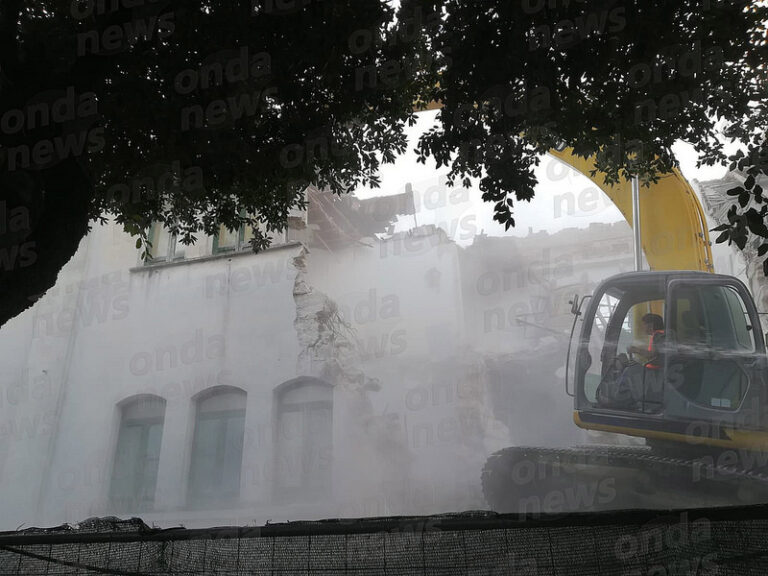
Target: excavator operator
638, 384
653, 326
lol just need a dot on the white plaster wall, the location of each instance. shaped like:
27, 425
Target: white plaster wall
173, 331
34, 351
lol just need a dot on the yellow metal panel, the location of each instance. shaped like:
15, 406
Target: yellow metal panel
749, 439
744, 439
673, 226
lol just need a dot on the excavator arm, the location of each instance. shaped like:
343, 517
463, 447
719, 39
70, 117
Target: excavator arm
673, 226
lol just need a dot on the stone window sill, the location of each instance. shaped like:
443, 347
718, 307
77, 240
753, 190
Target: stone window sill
210, 257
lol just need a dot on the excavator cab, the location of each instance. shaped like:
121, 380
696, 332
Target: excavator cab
701, 377
696, 394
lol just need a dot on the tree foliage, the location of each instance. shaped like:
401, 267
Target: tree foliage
626, 78
327, 91
747, 217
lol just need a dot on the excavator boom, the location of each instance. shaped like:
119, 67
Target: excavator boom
673, 225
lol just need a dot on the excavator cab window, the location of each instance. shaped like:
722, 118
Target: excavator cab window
597, 359
613, 374
711, 339
701, 346
711, 318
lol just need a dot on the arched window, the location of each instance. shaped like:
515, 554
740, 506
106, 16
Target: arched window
134, 475
304, 437
217, 446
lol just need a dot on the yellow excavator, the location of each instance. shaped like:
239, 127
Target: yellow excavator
696, 394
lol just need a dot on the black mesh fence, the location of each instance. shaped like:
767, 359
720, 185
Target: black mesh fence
701, 542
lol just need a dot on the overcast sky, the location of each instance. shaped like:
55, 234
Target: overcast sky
564, 198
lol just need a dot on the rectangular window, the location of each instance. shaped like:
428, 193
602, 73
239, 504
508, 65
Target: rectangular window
622, 343
217, 455
304, 447
217, 449
228, 240
603, 314
743, 332
304, 440
240, 240
137, 455
709, 319
164, 247
712, 317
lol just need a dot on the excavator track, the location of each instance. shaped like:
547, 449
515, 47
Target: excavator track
589, 478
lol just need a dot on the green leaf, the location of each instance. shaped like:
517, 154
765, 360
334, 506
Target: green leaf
138, 243
723, 237
749, 182
762, 249
743, 199
756, 224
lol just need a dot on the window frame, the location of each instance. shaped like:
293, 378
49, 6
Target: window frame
198, 495
134, 502
241, 245
747, 308
170, 255
610, 335
709, 353
305, 489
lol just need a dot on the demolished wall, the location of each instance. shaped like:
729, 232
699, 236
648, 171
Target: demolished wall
370, 458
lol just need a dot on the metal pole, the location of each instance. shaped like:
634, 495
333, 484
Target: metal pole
636, 223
